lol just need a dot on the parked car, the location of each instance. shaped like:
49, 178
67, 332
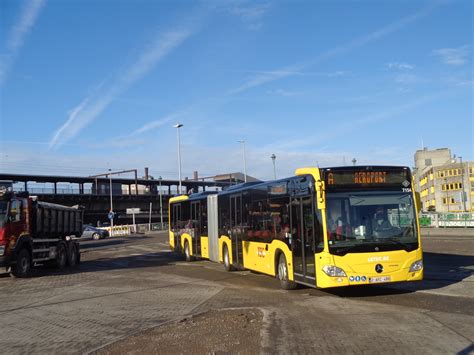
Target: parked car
94, 233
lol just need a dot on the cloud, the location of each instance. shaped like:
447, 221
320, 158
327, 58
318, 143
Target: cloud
400, 66
263, 78
266, 77
283, 92
407, 79
251, 15
18, 34
453, 56
91, 107
158, 123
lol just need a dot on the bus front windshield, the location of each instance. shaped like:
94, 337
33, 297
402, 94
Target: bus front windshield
370, 221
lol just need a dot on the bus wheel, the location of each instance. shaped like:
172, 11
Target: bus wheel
283, 274
71, 254
22, 267
225, 255
187, 252
61, 256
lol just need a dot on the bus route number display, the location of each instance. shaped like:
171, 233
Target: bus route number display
367, 178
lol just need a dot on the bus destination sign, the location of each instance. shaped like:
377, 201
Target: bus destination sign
376, 177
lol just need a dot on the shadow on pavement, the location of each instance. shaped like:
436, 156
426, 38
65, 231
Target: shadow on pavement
146, 260
111, 241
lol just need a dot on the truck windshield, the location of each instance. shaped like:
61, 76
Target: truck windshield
3, 212
360, 222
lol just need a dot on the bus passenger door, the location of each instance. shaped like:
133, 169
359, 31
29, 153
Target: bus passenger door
176, 225
236, 228
302, 224
196, 221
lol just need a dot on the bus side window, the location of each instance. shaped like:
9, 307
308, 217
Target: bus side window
318, 232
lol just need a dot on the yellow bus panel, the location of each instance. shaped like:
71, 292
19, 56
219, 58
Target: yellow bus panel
360, 268
171, 240
205, 247
261, 257
186, 237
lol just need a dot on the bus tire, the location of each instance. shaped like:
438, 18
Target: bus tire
22, 267
225, 256
61, 256
187, 252
71, 254
282, 274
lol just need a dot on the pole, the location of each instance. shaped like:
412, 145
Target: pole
134, 225
178, 126
161, 205
274, 169
462, 187
149, 219
111, 206
244, 159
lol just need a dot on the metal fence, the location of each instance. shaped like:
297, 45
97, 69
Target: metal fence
444, 220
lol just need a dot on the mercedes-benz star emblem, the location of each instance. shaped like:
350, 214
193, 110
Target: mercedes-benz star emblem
378, 268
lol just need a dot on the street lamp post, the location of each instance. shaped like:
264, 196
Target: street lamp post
242, 142
161, 203
274, 169
178, 126
111, 205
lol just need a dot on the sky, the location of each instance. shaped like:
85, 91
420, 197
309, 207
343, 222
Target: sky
87, 86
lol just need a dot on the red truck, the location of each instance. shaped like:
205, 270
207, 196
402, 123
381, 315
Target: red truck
34, 232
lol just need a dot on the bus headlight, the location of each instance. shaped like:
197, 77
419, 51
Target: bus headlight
333, 271
416, 266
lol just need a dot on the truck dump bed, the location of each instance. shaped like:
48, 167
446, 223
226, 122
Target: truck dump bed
55, 221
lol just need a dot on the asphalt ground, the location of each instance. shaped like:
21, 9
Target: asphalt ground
132, 291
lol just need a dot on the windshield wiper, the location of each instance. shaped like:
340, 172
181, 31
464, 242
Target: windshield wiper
396, 242
356, 247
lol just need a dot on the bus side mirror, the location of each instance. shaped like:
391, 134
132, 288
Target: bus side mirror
320, 194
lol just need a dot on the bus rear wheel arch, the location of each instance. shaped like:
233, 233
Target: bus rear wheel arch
187, 252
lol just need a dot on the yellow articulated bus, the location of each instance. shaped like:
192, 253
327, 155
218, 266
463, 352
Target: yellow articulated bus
324, 227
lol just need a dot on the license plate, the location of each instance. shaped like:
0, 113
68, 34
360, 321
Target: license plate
379, 279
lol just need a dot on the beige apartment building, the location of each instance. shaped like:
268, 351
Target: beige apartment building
445, 183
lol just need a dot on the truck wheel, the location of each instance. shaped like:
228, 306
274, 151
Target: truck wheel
61, 256
283, 274
71, 254
226, 257
22, 267
78, 256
